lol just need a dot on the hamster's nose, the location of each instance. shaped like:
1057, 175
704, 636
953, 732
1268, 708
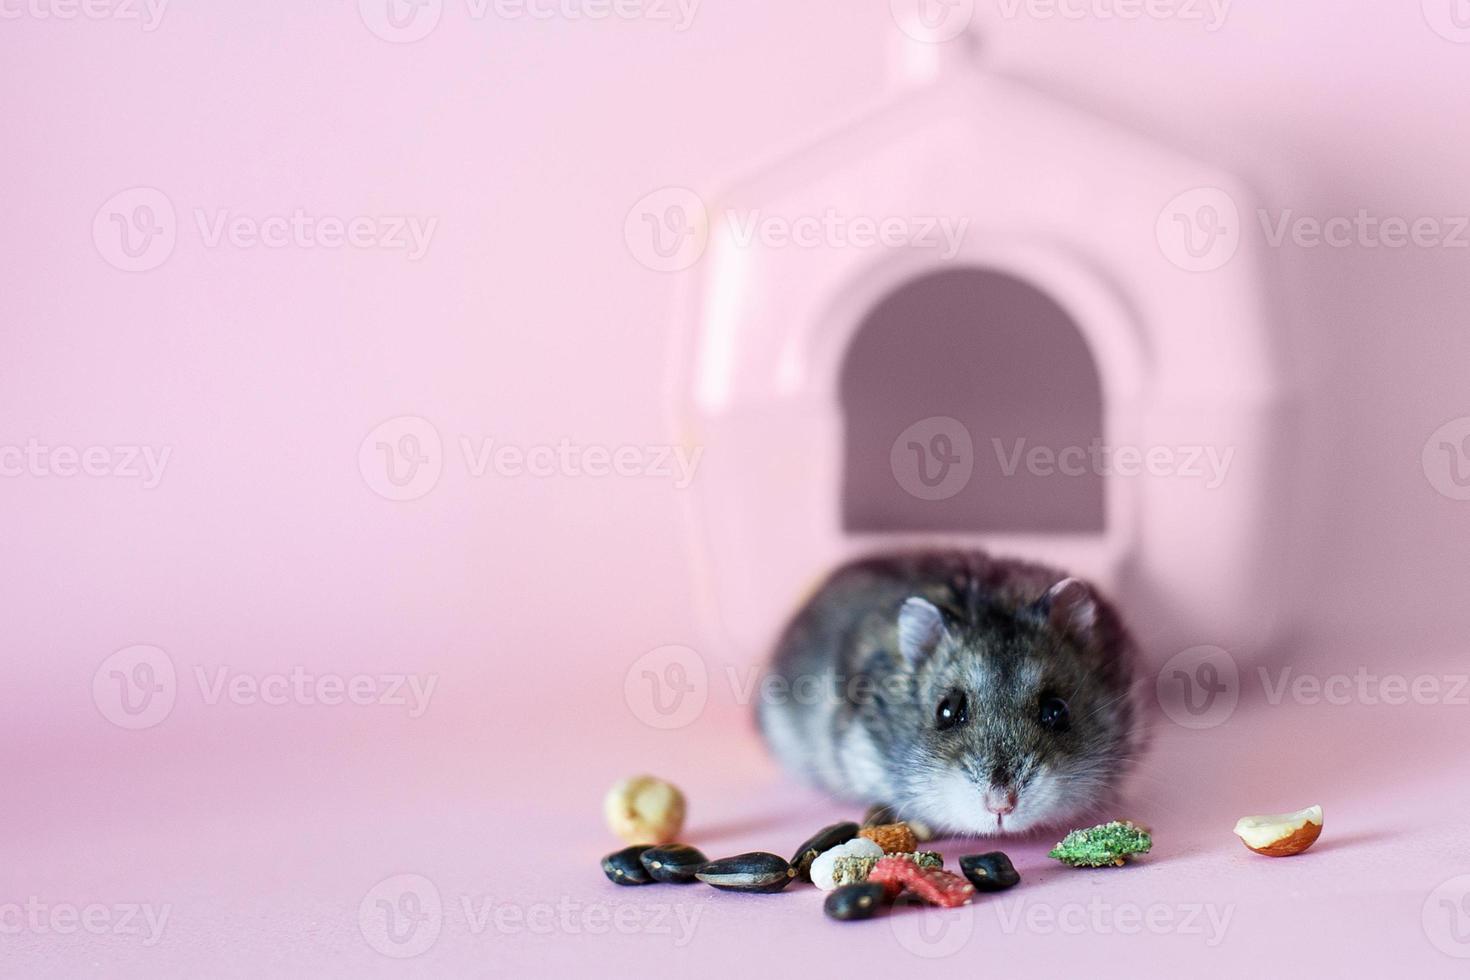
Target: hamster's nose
1000, 801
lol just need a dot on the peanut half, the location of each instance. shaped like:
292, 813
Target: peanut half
1281, 834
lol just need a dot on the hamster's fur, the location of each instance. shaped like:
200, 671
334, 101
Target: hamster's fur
978, 695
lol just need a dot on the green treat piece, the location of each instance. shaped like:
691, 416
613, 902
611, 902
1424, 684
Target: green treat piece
1105, 844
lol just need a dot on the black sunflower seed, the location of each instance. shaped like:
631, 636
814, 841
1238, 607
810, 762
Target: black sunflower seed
860, 901
756, 871
673, 862
991, 872
624, 868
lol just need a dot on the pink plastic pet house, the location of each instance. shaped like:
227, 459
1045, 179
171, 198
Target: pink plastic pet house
1079, 211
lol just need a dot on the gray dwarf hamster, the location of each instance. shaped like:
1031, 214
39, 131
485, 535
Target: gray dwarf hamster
978, 695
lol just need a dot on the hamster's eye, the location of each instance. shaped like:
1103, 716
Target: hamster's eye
1054, 715
953, 710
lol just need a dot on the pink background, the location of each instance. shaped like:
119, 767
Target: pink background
264, 549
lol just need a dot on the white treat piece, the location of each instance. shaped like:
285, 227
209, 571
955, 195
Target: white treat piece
822, 865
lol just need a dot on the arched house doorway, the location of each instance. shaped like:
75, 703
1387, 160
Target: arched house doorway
971, 403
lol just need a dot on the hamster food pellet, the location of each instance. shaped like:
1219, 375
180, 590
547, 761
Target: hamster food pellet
894, 838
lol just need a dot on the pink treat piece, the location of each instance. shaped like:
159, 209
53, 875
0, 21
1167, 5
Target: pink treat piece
939, 887
934, 885
892, 873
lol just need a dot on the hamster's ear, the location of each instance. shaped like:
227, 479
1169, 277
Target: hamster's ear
1069, 607
920, 628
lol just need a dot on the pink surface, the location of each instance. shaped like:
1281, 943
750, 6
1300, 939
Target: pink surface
516, 146
507, 830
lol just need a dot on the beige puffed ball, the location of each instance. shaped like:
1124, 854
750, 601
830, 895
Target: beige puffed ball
644, 810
